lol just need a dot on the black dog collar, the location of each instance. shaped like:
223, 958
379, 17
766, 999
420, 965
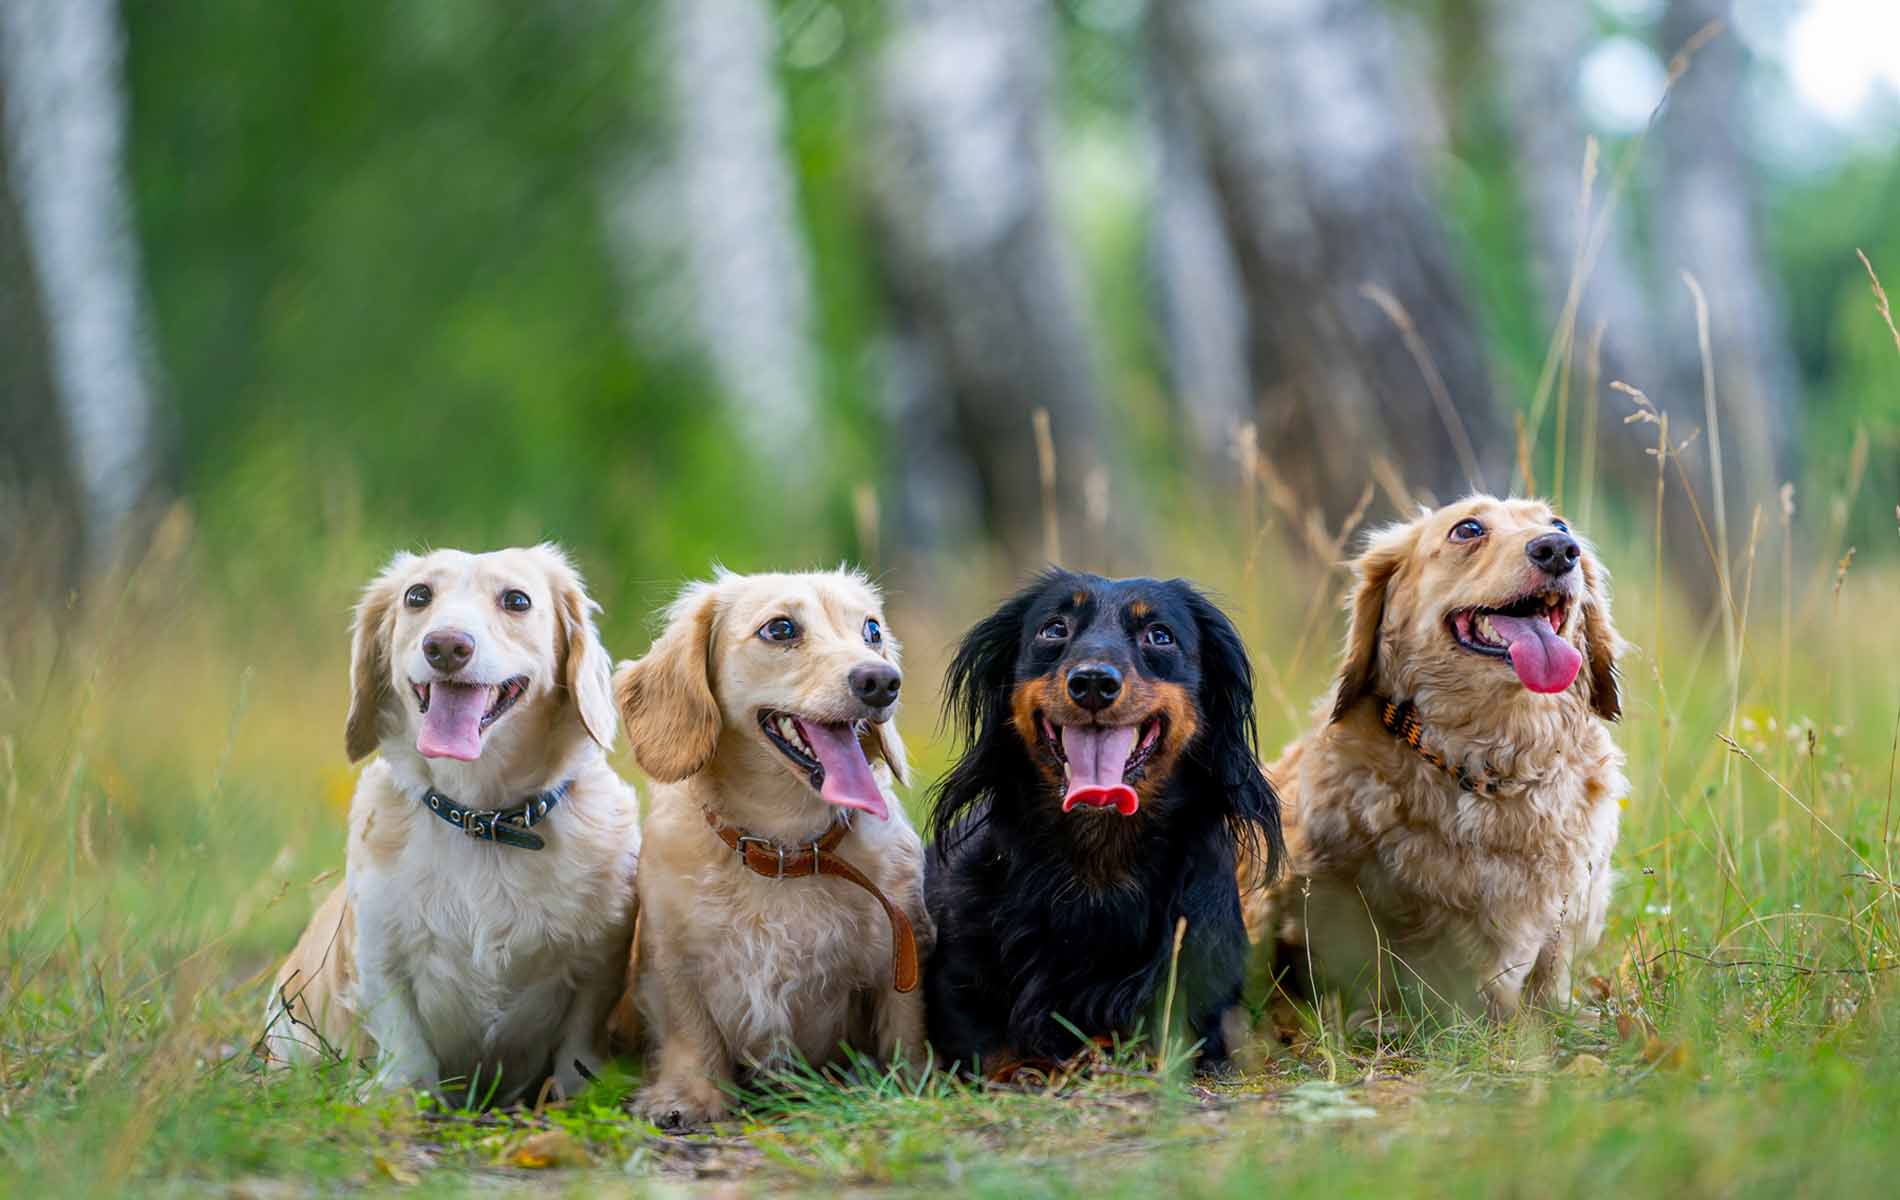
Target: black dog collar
510, 827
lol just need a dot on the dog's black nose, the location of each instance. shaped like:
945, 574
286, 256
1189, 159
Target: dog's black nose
448, 649
876, 684
1553, 552
1095, 687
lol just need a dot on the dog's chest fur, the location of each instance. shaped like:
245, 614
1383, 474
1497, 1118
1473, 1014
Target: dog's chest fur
494, 941
782, 958
1439, 865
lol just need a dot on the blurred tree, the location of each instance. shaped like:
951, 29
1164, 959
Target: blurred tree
988, 323
1200, 304
36, 477
736, 212
1299, 111
1707, 221
80, 393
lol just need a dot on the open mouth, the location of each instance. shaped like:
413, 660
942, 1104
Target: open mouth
1527, 633
830, 756
456, 715
1101, 763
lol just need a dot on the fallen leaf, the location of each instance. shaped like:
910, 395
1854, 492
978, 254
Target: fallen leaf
1585, 1066
395, 1171
549, 1148
1626, 1027
1668, 1056
1596, 989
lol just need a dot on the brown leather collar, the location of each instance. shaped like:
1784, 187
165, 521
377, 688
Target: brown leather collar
1400, 719
763, 856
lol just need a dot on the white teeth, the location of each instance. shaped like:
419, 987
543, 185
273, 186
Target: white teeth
1485, 628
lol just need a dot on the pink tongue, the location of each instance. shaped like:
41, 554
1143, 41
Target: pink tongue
848, 779
1544, 661
1097, 755
452, 728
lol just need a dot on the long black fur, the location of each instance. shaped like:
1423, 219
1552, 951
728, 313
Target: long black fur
1023, 935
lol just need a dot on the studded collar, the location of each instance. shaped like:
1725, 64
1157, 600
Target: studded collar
508, 826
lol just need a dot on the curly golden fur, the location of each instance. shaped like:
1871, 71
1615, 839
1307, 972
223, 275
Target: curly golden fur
1403, 884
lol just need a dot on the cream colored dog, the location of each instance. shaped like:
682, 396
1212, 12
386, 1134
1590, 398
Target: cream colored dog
758, 711
473, 960
1450, 817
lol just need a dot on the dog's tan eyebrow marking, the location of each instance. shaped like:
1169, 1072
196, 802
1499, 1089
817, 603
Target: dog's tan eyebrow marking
1140, 610
1078, 598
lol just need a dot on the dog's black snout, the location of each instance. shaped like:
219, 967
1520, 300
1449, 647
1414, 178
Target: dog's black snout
876, 684
448, 649
1553, 552
1095, 687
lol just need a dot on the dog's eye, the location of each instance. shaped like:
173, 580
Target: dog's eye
1467, 530
1559, 523
1054, 630
779, 629
1160, 635
873, 632
418, 596
516, 601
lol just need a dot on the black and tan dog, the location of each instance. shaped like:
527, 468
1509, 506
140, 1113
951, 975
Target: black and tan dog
1108, 777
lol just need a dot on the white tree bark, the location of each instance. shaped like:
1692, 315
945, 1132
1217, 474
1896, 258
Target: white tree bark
1304, 114
989, 308
1537, 50
1708, 223
739, 222
1202, 306
64, 138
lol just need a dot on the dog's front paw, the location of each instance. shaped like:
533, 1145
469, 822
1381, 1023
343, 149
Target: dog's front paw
677, 1104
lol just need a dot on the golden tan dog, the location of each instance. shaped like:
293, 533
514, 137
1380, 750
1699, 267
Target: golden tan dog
1449, 819
487, 949
758, 711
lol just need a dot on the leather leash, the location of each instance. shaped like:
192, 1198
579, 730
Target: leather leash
762, 856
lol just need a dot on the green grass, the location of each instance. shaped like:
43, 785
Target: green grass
172, 792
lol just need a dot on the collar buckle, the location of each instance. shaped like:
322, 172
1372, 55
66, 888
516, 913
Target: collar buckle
739, 848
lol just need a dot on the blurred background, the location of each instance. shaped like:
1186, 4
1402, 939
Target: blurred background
945, 287
784, 282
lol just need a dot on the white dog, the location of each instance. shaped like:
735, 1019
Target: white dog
481, 934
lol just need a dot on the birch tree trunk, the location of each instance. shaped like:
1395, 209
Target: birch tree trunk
1708, 222
989, 310
37, 490
1301, 114
64, 142
1201, 307
737, 207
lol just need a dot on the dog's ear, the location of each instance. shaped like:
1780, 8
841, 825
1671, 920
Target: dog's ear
1372, 574
976, 705
890, 747
1601, 642
666, 699
1228, 748
890, 743
375, 624
587, 672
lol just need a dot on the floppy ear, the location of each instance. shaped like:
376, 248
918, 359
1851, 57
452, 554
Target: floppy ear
1228, 748
588, 674
666, 699
1373, 571
1601, 642
976, 704
890, 748
889, 743
369, 659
